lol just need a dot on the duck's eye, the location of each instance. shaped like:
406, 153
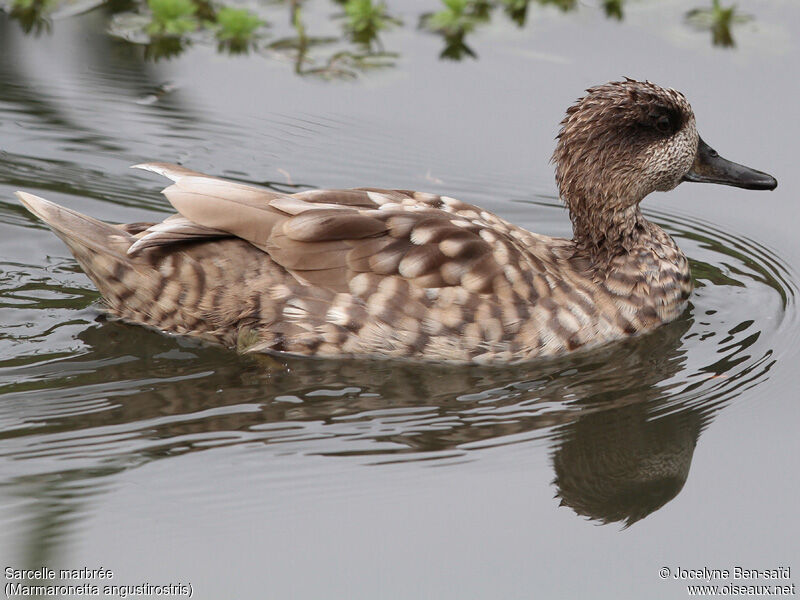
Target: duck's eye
663, 124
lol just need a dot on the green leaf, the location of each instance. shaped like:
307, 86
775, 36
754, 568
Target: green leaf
237, 24
172, 17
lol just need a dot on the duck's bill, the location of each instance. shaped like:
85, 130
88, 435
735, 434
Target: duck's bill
710, 167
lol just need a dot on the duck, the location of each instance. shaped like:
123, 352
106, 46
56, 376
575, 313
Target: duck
386, 273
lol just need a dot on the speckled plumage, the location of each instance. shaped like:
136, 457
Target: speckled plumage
396, 273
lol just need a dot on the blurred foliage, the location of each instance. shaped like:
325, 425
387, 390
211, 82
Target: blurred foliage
365, 19
165, 47
165, 28
516, 10
32, 15
172, 17
456, 19
718, 20
564, 5
236, 28
323, 57
613, 9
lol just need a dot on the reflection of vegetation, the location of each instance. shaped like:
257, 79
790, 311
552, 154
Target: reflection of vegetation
32, 14
517, 10
340, 64
172, 25
453, 23
455, 48
613, 9
365, 19
166, 27
565, 5
457, 17
300, 44
164, 47
234, 28
719, 20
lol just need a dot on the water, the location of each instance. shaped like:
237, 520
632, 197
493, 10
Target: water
166, 460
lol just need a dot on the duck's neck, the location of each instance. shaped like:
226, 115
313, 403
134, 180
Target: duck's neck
636, 262
603, 234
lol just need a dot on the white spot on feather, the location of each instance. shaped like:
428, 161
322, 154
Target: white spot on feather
337, 315
425, 196
452, 247
412, 266
280, 292
167, 267
295, 309
422, 235
488, 235
360, 284
378, 198
501, 253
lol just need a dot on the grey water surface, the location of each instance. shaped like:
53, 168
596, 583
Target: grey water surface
170, 461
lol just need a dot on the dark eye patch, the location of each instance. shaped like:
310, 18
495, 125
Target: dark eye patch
664, 119
663, 124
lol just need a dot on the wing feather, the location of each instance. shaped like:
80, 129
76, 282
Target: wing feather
325, 225
307, 256
326, 238
172, 230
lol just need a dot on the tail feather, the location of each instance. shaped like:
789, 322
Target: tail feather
173, 291
79, 229
100, 249
172, 171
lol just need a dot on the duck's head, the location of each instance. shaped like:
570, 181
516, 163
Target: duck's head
625, 139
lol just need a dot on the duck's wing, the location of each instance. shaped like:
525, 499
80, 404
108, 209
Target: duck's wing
328, 238
428, 240
187, 183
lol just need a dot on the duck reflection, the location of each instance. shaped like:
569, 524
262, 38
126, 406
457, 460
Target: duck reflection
622, 421
615, 458
624, 463
621, 465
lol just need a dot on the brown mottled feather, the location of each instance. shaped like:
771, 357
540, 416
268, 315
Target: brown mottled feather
373, 272
323, 225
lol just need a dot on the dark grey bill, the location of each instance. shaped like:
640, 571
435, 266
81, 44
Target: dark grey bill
710, 167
